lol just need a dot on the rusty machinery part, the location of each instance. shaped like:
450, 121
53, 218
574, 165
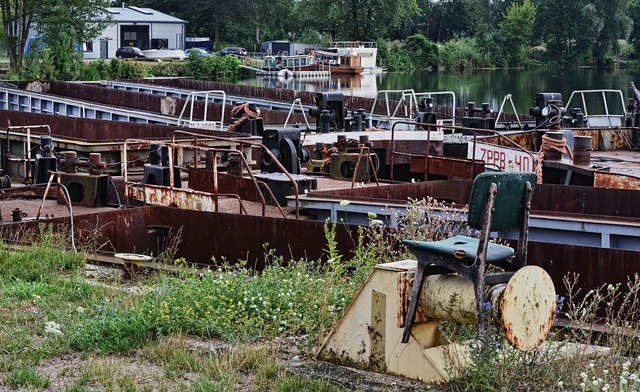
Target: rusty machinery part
45, 161
369, 333
478, 118
552, 142
5, 180
245, 111
68, 160
285, 145
548, 110
330, 112
69, 163
524, 307
528, 307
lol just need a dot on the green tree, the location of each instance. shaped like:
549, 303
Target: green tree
423, 53
17, 16
357, 20
62, 24
617, 25
568, 29
516, 31
634, 36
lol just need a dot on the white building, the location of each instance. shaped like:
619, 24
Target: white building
135, 26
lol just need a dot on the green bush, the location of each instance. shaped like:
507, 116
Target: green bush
462, 53
122, 69
416, 53
212, 67
96, 70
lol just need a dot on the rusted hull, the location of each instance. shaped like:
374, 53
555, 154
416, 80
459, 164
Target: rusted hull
615, 181
202, 180
595, 266
443, 166
548, 198
205, 235
95, 130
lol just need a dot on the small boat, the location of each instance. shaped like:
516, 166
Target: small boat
291, 63
339, 64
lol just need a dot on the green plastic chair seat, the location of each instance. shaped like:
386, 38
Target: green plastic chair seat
462, 248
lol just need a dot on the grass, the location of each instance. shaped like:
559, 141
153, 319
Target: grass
27, 377
223, 330
51, 311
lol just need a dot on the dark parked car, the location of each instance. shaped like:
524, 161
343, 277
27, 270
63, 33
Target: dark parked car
129, 52
234, 50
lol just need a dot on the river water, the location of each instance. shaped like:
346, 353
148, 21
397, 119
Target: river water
480, 85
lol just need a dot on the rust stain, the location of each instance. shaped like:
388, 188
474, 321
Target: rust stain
405, 284
615, 181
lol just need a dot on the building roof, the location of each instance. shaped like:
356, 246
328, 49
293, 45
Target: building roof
139, 14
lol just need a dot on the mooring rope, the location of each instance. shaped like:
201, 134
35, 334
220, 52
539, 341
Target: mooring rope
248, 113
550, 144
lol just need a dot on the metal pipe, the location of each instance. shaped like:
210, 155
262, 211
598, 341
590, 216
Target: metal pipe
44, 197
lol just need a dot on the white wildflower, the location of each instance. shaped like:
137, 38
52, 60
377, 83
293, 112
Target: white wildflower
53, 328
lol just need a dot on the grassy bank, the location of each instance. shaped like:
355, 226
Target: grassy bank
196, 330
64, 326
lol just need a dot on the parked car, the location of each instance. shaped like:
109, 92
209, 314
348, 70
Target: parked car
234, 50
201, 52
129, 52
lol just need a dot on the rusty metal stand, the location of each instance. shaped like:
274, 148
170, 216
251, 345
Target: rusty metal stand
366, 152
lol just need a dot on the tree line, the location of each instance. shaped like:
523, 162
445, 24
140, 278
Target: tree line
411, 34
466, 32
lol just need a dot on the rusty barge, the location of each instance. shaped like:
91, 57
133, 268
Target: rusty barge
173, 150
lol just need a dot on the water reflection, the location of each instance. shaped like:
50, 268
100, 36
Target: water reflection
478, 86
363, 85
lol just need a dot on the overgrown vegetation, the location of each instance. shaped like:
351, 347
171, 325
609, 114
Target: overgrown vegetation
223, 329
44, 65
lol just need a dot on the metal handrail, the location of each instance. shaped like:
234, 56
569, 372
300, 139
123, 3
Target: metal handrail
253, 144
28, 128
215, 151
191, 99
604, 101
386, 93
453, 102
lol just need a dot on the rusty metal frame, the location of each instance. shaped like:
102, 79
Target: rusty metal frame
265, 150
430, 127
364, 151
134, 187
27, 128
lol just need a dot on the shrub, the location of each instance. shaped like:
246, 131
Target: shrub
461, 53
